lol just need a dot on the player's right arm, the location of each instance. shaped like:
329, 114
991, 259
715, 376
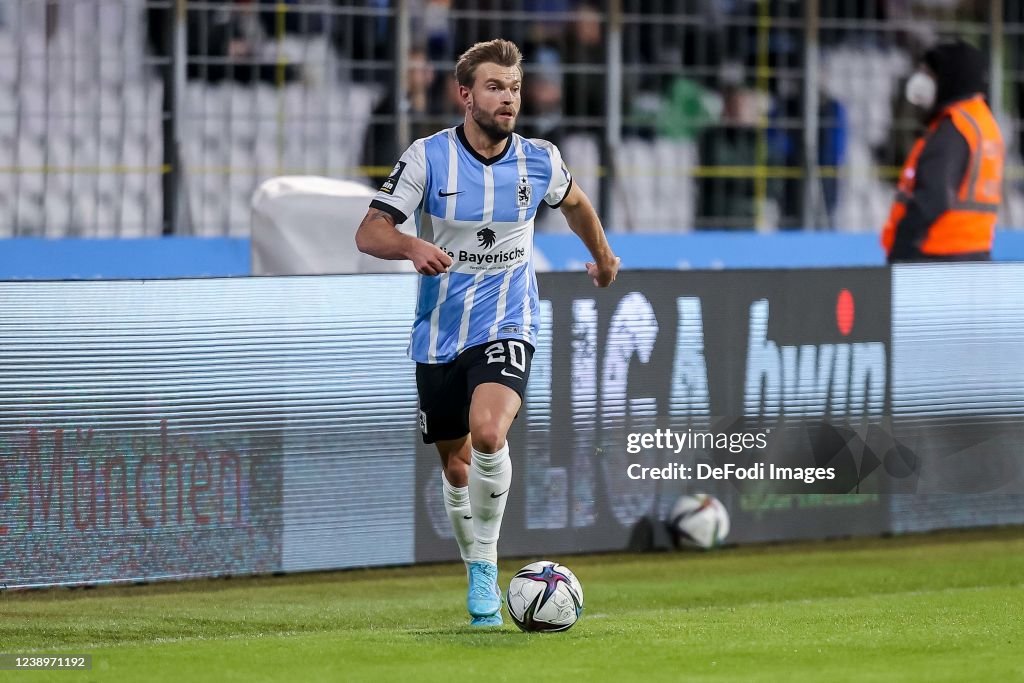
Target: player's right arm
399, 196
378, 236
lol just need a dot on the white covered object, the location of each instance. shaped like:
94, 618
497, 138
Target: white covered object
306, 225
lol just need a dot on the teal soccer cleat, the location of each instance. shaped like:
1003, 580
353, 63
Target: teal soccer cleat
484, 598
493, 620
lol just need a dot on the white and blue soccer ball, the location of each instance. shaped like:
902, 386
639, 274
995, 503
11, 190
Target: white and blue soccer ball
545, 596
698, 521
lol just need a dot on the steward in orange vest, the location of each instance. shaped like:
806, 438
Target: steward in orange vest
950, 189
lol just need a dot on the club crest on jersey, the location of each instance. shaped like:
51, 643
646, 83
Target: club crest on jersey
486, 237
524, 193
392, 182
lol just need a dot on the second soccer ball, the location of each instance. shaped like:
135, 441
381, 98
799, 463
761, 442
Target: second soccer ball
698, 521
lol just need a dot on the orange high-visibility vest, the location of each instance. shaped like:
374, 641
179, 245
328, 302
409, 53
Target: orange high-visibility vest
968, 226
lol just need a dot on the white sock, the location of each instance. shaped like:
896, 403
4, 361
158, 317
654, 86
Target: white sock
456, 504
490, 477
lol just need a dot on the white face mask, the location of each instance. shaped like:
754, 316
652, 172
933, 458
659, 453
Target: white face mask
920, 90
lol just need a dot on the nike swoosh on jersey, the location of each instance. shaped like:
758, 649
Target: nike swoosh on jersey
442, 193
509, 374
499, 495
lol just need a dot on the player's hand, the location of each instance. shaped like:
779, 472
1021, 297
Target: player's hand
604, 274
429, 259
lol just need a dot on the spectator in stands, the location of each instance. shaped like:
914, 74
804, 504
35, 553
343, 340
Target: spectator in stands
223, 44
833, 130
291, 17
542, 96
482, 21
728, 200
950, 189
452, 109
1013, 13
583, 92
686, 110
437, 30
786, 148
647, 42
362, 38
380, 148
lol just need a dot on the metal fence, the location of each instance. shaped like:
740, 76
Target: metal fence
149, 117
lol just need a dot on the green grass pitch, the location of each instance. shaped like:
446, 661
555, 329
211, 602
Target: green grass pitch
941, 607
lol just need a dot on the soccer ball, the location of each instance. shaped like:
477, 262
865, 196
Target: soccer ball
545, 596
698, 521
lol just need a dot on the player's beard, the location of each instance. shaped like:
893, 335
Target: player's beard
491, 127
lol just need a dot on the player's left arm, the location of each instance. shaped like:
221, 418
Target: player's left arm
582, 219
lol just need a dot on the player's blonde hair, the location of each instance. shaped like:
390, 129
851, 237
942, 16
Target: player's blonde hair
498, 51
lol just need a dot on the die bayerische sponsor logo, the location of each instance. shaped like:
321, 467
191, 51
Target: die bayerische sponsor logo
487, 237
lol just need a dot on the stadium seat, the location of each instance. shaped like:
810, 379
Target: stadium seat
864, 199
57, 213
30, 152
7, 198
28, 215
674, 205
133, 221
582, 155
654, 190
8, 120
8, 60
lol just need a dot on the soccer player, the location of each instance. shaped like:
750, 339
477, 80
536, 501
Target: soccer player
474, 190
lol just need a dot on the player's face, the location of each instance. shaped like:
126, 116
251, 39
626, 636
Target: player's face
494, 99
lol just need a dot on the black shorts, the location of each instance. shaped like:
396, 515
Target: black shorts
445, 389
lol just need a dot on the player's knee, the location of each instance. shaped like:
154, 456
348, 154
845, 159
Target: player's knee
456, 471
488, 439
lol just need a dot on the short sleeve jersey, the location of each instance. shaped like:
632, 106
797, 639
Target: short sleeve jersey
481, 212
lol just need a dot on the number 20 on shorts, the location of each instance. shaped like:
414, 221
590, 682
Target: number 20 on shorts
516, 354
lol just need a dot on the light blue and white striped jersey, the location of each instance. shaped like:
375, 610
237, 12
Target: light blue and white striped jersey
481, 212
